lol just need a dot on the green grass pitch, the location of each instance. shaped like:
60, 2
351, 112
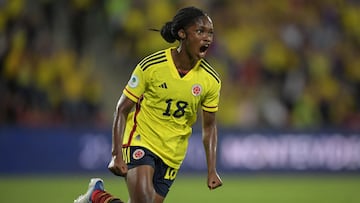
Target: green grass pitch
250, 188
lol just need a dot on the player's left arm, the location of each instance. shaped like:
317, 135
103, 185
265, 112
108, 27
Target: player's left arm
209, 137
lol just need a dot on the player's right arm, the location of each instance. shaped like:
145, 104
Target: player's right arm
117, 165
131, 94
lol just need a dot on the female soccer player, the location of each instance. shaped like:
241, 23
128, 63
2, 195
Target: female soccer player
149, 142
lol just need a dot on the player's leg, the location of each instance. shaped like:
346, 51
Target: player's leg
164, 177
149, 178
97, 194
140, 185
140, 177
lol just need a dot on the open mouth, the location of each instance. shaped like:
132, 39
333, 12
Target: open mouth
204, 48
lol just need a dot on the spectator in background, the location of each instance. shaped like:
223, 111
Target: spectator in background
286, 47
43, 84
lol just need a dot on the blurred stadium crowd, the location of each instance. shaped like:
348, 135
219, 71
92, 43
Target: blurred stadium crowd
284, 63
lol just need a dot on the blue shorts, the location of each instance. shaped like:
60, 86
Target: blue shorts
164, 175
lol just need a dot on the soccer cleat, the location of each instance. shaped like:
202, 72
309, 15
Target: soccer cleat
95, 184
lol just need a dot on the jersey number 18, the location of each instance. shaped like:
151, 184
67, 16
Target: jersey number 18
179, 112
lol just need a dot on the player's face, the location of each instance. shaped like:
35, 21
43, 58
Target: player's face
199, 36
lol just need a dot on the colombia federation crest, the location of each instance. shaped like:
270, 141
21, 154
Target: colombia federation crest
196, 90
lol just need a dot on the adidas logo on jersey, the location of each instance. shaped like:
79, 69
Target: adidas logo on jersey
163, 85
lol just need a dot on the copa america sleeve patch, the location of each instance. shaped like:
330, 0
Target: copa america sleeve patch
134, 81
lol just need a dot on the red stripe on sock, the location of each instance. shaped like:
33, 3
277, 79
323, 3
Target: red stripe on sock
96, 194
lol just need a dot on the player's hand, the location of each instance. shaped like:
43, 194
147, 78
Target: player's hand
117, 166
214, 181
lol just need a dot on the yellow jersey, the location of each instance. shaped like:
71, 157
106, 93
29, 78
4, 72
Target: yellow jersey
167, 104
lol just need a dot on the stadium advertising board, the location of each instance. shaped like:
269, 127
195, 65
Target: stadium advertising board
84, 150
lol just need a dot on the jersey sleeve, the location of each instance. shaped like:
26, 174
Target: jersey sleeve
136, 85
211, 100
